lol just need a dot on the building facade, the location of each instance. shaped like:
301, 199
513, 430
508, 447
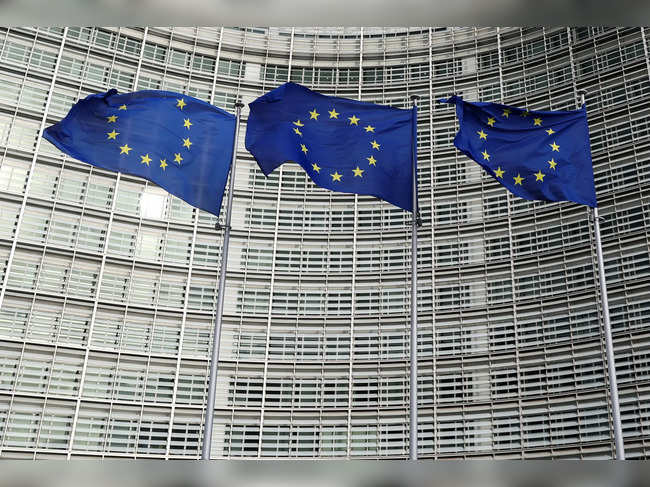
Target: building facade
108, 284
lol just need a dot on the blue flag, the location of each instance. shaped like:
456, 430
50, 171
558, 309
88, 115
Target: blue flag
343, 145
182, 144
536, 155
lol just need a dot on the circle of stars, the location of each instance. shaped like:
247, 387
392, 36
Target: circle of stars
536, 122
146, 158
351, 121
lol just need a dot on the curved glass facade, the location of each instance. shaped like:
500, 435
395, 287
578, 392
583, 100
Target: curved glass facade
108, 283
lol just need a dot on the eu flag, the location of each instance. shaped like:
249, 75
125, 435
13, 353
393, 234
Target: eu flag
180, 143
536, 155
343, 145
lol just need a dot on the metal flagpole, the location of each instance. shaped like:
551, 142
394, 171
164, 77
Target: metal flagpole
611, 366
413, 443
212, 387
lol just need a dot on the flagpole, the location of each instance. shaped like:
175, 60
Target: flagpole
611, 366
212, 387
413, 430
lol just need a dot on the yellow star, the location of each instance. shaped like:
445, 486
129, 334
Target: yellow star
112, 118
375, 145
482, 135
316, 167
313, 115
550, 131
187, 143
499, 172
354, 120
372, 161
124, 149
486, 156
187, 123
303, 148
506, 113
180, 103
525, 113
537, 122
177, 158
358, 172
336, 176
145, 159
539, 176
297, 130
552, 164
333, 113
113, 134
518, 179
122, 107
490, 121
163, 163
555, 147
369, 128
298, 123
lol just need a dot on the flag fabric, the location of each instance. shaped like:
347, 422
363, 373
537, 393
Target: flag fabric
343, 145
536, 155
182, 144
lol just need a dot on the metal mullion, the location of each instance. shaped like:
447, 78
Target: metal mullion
156, 296
13, 119
548, 71
272, 286
413, 331
433, 247
645, 49
100, 275
353, 276
32, 297
45, 399
523, 71
116, 35
83, 208
139, 423
190, 68
574, 80
512, 268
216, 67
47, 238
4, 41
185, 303
323, 334
627, 105
13, 392
25, 77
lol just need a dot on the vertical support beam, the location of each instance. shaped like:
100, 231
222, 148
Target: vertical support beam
413, 383
433, 246
511, 251
353, 282
212, 386
274, 259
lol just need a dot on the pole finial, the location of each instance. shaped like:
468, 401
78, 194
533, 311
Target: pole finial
415, 97
239, 104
